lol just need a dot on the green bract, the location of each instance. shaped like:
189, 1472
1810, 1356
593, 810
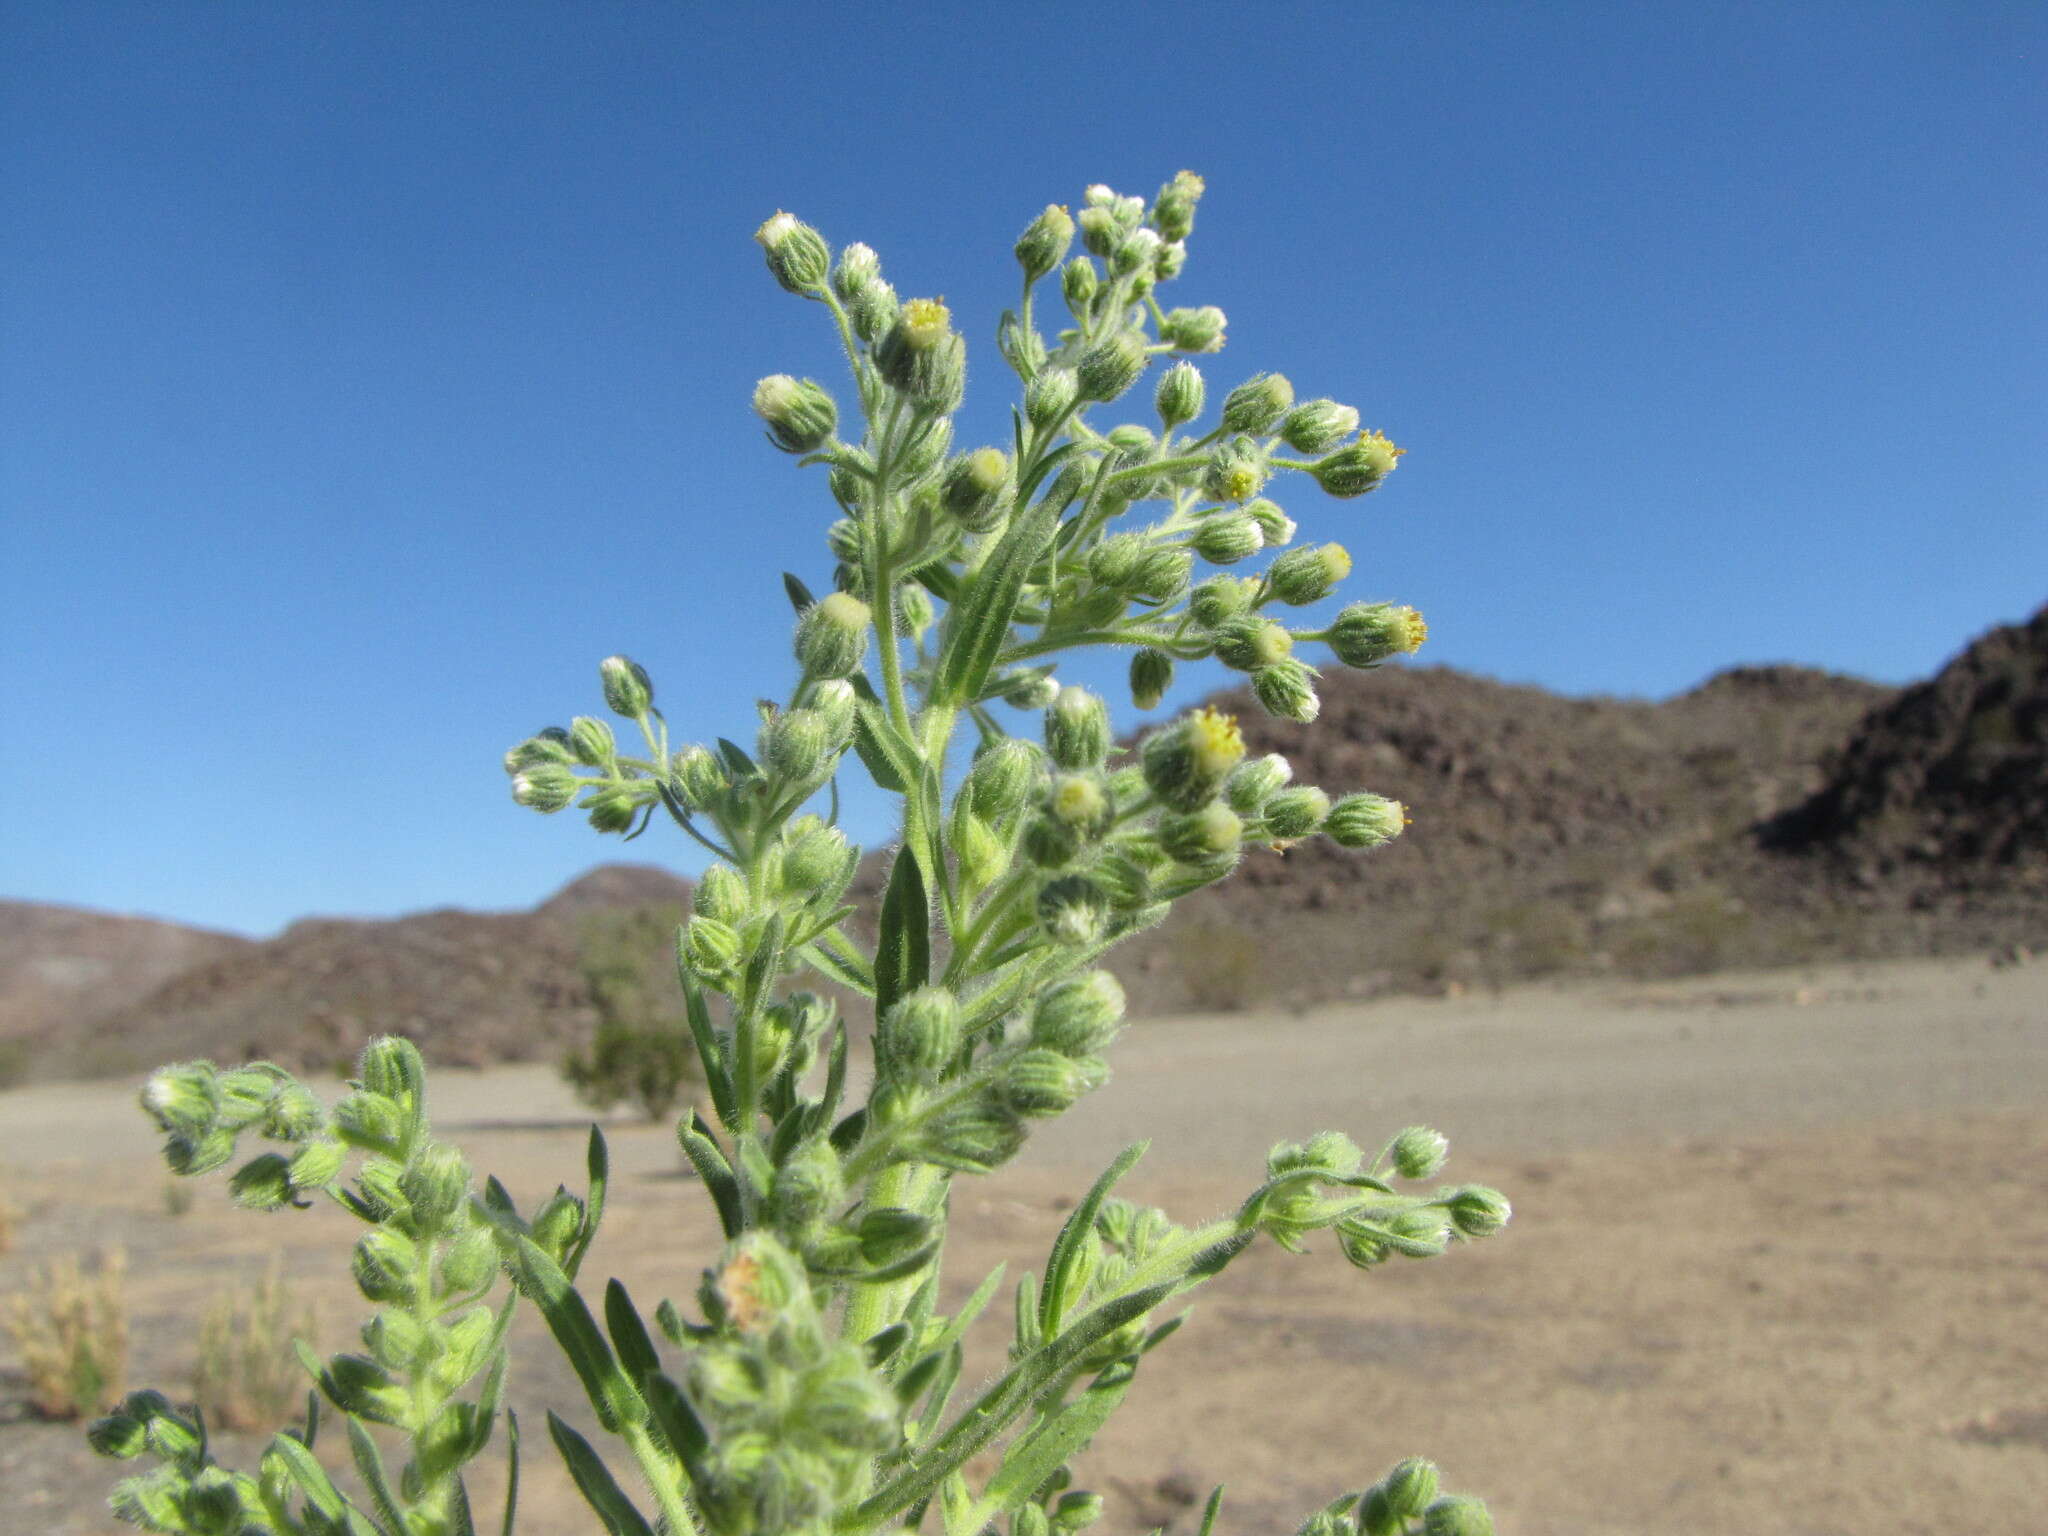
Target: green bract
809, 1388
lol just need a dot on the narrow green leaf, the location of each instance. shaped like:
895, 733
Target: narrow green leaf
978, 624
903, 954
970, 1309
894, 747
569, 1319
799, 595
704, 1155
461, 1521
717, 1070
1071, 1246
599, 1488
312, 1478
839, 968
956, 1506
511, 1471
370, 1468
1162, 1333
1037, 1455
737, 763
679, 1424
597, 1165
629, 1333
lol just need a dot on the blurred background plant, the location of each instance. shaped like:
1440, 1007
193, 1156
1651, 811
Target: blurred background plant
70, 1327
640, 1051
248, 1374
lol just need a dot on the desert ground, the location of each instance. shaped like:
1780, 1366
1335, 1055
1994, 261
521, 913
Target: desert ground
1779, 1262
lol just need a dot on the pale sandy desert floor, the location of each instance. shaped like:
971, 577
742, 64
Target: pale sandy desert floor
1779, 1262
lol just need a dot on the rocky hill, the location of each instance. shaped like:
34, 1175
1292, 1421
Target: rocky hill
1772, 814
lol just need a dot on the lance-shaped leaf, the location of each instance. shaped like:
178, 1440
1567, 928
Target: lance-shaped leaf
600, 1489
1070, 1247
629, 1334
979, 623
903, 953
680, 1427
1040, 1453
717, 1070
887, 753
370, 1468
569, 1319
597, 1164
719, 1182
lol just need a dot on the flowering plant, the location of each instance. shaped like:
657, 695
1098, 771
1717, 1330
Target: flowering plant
811, 1387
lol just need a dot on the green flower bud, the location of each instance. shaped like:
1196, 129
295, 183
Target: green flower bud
1222, 598
1411, 1486
1111, 366
977, 489
1039, 1082
1002, 778
816, 856
1421, 1232
874, 311
187, 1152
1050, 843
1118, 560
1457, 1517
1020, 345
889, 1232
436, 1185
796, 745
800, 414
396, 1340
378, 1184
1357, 467
1031, 691
1377, 1517
1079, 1016
832, 636
592, 742
924, 357
980, 852
711, 949
1192, 837
1173, 256
546, 788
1075, 1512
1043, 245
1317, 426
1078, 284
1173, 211
557, 1224
1151, 676
1226, 538
919, 1034
1251, 784
1286, 690
1275, 526
697, 777
973, 1137
1194, 330
1419, 1153
808, 1187
1365, 821
118, 1435
1136, 252
835, 702
1256, 404
183, 1098
1179, 395
1309, 574
1233, 473
925, 453
1365, 634
1296, 813
1050, 396
1478, 1211
317, 1164
391, 1065
628, 692
796, 253
1077, 730
1073, 910
1249, 643
372, 1122
263, 1183
384, 1264
614, 809
858, 270
1099, 230
1186, 763
550, 748
468, 1262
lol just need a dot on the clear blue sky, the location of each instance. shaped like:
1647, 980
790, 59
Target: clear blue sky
369, 372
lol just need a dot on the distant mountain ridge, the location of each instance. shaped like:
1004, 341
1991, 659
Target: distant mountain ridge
1771, 814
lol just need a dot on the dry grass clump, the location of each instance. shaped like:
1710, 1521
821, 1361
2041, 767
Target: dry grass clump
248, 1376
71, 1329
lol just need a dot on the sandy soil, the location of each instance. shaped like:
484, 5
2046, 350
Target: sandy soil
1779, 1262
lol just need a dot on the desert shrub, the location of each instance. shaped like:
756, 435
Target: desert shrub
809, 1385
641, 1050
1220, 967
71, 1329
248, 1374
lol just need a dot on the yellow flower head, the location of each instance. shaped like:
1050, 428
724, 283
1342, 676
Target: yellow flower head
926, 323
1215, 742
